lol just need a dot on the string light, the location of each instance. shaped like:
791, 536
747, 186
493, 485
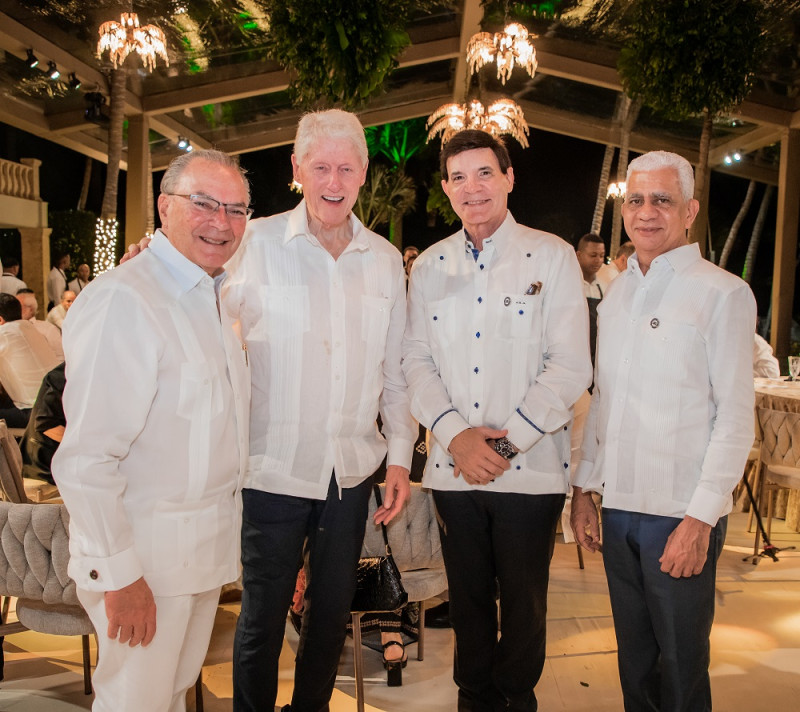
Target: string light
105, 245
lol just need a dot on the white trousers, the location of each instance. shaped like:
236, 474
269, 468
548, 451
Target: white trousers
155, 678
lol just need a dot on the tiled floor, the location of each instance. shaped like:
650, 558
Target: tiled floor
755, 648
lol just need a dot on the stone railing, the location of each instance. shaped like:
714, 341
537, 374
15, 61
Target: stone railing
20, 180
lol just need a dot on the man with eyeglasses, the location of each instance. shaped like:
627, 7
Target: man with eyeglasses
157, 404
666, 439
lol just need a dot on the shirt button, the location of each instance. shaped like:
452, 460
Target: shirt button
476, 369
441, 257
436, 465
477, 405
477, 334
481, 266
436, 318
94, 575
480, 300
521, 312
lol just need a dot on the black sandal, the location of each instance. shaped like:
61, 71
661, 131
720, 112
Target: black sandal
394, 668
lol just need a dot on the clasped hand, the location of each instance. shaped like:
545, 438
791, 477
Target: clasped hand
474, 459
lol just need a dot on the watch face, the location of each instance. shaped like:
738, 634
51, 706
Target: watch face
503, 447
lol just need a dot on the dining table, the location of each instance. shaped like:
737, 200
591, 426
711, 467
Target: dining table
781, 394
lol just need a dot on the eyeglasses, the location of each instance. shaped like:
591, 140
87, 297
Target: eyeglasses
208, 206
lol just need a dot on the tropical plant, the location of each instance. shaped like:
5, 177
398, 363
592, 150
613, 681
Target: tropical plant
688, 58
73, 234
386, 195
438, 202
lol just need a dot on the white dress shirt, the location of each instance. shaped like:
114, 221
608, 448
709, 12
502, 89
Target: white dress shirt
57, 315
25, 358
765, 365
607, 274
593, 289
324, 339
9, 284
156, 405
53, 335
671, 420
56, 285
77, 285
479, 350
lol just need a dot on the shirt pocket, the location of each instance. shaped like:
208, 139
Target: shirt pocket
284, 314
375, 314
519, 316
441, 320
197, 394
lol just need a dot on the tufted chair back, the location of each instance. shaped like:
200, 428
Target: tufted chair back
34, 553
780, 432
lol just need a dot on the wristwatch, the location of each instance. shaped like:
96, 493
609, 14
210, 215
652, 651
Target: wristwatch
503, 447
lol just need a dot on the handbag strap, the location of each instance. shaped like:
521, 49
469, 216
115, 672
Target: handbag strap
377, 490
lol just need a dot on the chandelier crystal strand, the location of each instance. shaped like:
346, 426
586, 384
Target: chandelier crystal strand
503, 116
507, 49
122, 38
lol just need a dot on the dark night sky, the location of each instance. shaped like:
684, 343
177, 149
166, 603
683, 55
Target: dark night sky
556, 183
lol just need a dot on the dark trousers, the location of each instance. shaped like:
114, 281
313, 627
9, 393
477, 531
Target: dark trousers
491, 540
662, 623
277, 531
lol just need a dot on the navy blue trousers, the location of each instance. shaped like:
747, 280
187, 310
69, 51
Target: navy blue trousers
662, 623
494, 540
277, 531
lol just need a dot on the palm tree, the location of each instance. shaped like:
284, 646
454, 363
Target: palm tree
386, 196
737, 223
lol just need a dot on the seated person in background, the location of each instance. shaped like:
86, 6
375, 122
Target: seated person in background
765, 365
27, 298
618, 265
25, 358
45, 427
59, 312
80, 282
10, 283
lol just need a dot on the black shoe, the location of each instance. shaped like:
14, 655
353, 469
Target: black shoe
394, 668
438, 616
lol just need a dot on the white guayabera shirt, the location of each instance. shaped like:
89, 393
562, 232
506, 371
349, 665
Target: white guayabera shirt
671, 420
323, 338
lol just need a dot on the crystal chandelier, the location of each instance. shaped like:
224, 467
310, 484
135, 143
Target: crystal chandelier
503, 116
506, 49
122, 38
616, 190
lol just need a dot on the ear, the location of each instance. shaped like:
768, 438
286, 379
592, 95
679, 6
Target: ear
693, 207
364, 174
163, 203
295, 167
510, 178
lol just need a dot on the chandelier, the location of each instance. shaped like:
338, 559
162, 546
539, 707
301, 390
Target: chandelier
616, 190
506, 49
122, 38
503, 116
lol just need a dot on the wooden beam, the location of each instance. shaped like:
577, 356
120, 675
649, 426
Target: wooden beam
747, 143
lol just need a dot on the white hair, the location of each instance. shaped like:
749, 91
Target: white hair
658, 160
331, 124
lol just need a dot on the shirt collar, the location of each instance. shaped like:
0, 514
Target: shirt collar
186, 273
679, 258
499, 238
298, 227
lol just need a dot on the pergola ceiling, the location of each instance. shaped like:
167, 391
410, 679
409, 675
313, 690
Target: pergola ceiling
244, 106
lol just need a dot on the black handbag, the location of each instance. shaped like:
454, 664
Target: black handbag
379, 586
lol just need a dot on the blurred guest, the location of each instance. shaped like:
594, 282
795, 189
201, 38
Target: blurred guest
27, 298
58, 313
765, 365
619, 264
25, 358
667, 437
10, 283
410, 253
81, 280
591, 251
156, 403
57, 279
45, 427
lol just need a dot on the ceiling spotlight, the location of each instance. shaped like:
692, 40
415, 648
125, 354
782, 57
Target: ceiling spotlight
182, 143
737, 156
32, 60
74, 82
728, 160
189, 148
52, 71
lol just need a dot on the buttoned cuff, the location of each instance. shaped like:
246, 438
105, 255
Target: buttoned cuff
448, 426
522, 432
708, 506
582, 477
400, 452
106, 573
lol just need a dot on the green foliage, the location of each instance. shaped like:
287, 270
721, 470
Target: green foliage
73, 232
385, 196
398, 141
340, 51
685, 56
438, 202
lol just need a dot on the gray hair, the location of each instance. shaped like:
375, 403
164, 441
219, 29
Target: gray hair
658, 160
626, 249
178, 166
331, 124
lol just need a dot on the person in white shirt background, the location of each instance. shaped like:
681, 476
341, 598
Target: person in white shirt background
58, 313
591, 252
765, 365
667, 437
81, 280
27, 298
607, 273
156, 405
10, 282
57, 279
322, 305
495, 353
